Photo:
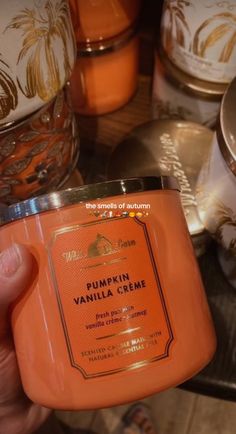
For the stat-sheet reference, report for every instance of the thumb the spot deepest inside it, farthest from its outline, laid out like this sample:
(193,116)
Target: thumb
(15,271)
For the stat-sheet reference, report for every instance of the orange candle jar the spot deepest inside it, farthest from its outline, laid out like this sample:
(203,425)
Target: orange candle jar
(102,19)
(39,153)
(105,75)
(116,303)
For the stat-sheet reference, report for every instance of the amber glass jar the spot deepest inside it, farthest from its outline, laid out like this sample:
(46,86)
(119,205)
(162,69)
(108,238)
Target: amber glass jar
(116,303)
(105,76)
(102,19)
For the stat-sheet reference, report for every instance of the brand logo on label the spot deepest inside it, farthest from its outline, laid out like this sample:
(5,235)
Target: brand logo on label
(101,246)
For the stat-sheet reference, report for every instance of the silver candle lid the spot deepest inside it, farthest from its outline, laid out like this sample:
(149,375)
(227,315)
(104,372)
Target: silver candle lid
(168,147)
(72,196)
(226,132)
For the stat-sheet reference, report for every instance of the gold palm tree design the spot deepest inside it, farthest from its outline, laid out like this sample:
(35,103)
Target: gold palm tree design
(176,27)
(204,39)
(42,30)
(8,91)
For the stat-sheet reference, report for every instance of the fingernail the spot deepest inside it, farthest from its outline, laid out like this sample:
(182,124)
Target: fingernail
(10,261)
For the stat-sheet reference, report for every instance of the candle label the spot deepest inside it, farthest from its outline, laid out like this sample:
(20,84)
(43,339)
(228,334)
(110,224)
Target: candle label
(109,294)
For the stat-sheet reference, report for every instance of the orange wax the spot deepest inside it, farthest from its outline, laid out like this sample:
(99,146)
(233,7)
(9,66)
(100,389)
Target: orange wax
(116,302)
(105,79)
(102,19)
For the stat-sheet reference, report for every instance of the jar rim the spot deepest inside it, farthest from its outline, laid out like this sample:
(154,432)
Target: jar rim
(98,48)
(226,131)
(202,88)
(81,194)
(10,126)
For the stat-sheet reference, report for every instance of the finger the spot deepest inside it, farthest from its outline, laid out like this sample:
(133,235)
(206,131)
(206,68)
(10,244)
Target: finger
(15,271)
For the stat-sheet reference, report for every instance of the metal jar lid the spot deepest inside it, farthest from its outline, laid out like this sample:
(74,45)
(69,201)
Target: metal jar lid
(172,148)
(91,49)
(72,196)
(192,85)
(226,132)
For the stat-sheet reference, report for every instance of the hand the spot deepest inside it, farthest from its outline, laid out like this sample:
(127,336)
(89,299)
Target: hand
(18,415)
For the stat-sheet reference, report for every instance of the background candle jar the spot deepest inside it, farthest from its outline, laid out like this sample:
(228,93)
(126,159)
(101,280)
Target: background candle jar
(39,153)
(199,37)
(177,95)
(172,148)
(37,55)
(216,190)
(117,301)
(227,262)
(102,19)
(105,75)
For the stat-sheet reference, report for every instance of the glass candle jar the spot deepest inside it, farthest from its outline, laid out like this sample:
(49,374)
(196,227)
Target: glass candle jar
(116,302)
(39,153)
(171,148)
(105,75)
(75,180)
(216,190)
(227,262)
(177,95)
(38,52)
(199,37)
(102,19)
